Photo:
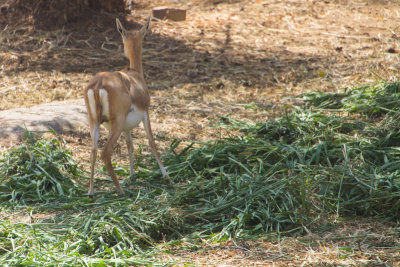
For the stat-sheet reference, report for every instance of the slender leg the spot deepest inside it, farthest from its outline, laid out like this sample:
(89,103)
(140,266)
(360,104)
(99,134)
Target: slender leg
(94,132)
(115,132)
(147,128)
(129,144)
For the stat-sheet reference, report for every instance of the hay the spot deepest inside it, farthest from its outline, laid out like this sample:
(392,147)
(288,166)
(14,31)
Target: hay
(225,53)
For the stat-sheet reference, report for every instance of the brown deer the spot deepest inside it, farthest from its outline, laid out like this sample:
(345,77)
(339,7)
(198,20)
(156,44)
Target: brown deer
(120,101)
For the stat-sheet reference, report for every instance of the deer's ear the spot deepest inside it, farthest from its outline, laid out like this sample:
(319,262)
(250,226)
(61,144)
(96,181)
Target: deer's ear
(145,27)
(120,28)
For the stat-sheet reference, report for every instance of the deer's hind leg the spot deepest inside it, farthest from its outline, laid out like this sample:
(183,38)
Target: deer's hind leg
(94,133)
(116,127)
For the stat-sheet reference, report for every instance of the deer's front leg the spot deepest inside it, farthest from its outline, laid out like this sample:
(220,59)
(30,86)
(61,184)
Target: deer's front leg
(147,128)
(129,144)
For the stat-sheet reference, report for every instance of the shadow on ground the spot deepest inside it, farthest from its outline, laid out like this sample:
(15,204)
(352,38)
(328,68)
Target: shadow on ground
(94,45)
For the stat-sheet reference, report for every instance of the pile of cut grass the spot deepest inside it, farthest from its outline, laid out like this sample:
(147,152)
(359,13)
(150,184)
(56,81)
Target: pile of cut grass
(286,176)
(371,100)
(38,170)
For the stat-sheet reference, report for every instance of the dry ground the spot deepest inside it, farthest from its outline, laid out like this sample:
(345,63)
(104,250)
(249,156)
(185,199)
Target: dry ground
(235,58)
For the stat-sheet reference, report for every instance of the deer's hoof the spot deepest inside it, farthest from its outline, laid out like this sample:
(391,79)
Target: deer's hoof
(121,193)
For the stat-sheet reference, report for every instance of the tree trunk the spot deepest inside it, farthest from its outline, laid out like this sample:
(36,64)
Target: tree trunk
(56,13)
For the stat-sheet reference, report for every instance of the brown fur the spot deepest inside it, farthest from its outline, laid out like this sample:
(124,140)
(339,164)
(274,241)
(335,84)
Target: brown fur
(124,89)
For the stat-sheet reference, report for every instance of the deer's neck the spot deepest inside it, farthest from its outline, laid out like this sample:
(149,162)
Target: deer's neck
(135,60)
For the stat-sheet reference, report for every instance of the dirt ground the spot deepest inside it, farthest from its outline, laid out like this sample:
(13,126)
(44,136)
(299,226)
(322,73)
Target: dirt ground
(239,59)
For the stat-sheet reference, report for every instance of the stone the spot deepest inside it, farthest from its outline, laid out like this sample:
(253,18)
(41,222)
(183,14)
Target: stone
(60,116)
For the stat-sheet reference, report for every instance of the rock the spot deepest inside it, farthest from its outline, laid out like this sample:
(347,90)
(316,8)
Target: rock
(176,14)
(61,116)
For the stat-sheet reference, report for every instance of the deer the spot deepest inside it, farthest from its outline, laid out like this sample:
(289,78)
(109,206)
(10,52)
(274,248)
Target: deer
(120,100)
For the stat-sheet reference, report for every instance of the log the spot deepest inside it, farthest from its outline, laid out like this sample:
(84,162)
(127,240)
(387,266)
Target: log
(175,14)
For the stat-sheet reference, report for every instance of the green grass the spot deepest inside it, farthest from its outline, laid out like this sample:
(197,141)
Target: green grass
(372,100)
(288,176)
(38,171)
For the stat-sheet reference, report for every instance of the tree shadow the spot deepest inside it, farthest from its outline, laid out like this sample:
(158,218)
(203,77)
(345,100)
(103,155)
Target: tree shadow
(95,45)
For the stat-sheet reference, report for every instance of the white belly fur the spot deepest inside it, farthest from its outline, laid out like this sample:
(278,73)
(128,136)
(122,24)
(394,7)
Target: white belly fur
(135,116)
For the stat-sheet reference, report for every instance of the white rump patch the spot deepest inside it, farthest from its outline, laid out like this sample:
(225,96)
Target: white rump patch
(92,104)
(104,103)
(134,117)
